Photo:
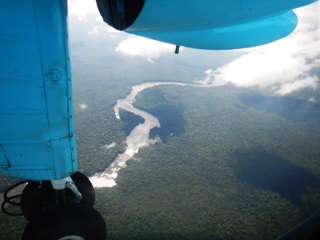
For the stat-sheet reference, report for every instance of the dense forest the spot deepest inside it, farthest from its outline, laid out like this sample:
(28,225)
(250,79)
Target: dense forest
(233,163)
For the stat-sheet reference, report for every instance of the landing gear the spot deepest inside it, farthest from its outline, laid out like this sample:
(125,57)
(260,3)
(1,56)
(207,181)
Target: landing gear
(68,221)
(38,196)
(60,210)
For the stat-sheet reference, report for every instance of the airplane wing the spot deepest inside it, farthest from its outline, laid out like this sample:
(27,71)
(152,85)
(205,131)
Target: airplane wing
(214,25)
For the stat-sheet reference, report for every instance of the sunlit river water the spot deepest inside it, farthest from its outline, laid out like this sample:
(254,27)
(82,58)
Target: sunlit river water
(139,136)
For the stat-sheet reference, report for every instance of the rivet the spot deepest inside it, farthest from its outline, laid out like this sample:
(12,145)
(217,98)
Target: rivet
(54,75)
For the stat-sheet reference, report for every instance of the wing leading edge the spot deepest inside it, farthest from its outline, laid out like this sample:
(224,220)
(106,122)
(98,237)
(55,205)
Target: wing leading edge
(214,25)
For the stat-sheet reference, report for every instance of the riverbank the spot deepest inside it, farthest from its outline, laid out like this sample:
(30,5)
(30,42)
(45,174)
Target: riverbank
(139,136)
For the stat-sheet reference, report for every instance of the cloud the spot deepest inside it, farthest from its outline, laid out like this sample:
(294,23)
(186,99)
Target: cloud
(108,146)
(103,30)
(308,82)
(87,11)
(82,8)
(83,106)
(284,65)
(144,47)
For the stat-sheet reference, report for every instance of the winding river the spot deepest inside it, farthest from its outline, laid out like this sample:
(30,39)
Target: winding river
(139,136)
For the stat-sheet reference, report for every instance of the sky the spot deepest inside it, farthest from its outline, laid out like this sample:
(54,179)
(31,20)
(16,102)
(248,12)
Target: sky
(284,66)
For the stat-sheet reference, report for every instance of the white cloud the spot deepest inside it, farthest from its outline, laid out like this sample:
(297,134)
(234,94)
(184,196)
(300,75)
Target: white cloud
(308,82)
(311,99)
(144,47)
(82,8)
(95,24)
(103,29)
(95,30)
(83,106)
(284,64)
(108,146)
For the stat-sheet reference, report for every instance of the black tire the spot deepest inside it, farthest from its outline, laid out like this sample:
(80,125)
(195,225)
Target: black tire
(38,196)
(68,221)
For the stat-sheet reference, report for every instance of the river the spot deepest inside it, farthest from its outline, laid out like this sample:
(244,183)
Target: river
(139,136)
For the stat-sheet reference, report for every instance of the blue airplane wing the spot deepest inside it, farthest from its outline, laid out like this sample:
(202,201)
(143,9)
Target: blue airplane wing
(242,35)
(215,25)
(37,139)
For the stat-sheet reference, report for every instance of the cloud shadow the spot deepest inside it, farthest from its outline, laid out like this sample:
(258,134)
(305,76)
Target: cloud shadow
(171,121)
(271,172)
(290,108)
(129,121)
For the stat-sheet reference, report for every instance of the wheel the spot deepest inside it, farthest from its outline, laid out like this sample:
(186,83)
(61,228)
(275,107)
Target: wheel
(67,221)
(38,196)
